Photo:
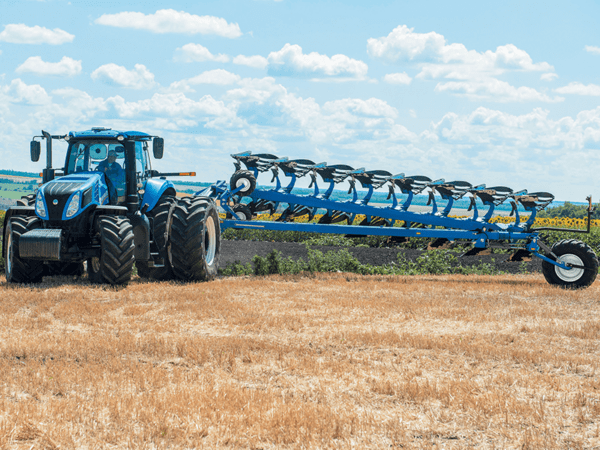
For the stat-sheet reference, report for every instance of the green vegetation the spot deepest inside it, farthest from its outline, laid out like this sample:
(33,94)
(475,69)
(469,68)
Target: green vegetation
(432,262)
(317,239)
(569,210)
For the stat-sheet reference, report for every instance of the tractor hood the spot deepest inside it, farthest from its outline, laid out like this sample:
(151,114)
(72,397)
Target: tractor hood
(67,197)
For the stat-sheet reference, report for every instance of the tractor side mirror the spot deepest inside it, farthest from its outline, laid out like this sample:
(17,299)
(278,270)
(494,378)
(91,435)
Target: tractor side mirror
(35,150)
(158,147)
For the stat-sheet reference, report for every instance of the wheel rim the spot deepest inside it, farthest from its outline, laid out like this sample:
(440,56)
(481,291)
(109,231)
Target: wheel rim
(95,262)
(9,251)
(210,240)
(573,274)
(244,183)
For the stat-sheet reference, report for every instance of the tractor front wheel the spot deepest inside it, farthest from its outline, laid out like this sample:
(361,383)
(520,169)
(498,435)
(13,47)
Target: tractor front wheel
(195,239)
(115,263)
(20,270)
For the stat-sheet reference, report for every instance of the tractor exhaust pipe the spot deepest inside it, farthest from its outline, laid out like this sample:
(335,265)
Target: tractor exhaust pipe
(132,197)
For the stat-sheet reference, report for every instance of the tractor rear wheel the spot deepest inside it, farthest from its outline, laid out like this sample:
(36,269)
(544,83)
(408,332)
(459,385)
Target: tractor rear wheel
(161,217)
(20,270)
(195,239)
(115,263)
(573,252)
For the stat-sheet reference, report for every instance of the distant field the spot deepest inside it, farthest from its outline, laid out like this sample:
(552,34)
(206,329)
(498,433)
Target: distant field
(18,189)
(331,361)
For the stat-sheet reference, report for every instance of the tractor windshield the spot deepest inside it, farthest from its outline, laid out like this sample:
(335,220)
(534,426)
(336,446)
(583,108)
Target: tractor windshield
(88,156)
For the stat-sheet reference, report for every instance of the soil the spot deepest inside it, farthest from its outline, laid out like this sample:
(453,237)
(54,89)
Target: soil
(244,251)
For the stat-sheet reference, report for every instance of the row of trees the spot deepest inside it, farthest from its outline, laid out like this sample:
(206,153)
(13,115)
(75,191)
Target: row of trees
(570,210)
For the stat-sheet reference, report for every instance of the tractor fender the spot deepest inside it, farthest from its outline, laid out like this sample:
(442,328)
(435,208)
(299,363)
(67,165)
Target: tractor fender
(153,191)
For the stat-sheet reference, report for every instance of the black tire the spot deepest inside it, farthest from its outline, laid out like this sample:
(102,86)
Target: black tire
(577,253)
(117,252)
(19,270)
(244,179)
(195,239)
(242,211)
(26,200)
(160,217)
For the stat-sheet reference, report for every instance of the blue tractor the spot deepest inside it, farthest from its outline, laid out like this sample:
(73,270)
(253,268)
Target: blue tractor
(107,209)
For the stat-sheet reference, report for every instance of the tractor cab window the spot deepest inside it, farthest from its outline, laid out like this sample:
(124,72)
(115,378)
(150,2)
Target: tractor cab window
(107,158)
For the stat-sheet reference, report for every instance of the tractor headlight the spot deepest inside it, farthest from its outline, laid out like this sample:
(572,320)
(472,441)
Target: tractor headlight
(40,209)
(73,205)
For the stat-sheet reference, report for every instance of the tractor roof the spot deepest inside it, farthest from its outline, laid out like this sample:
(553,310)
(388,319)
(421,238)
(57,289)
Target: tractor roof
(107,133)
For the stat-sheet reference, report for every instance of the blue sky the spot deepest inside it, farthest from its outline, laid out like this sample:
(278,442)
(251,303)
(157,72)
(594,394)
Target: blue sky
(501,93)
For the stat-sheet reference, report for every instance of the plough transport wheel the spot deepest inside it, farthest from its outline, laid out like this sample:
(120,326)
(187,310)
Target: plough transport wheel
(573,252)
(195,239)
(245,180)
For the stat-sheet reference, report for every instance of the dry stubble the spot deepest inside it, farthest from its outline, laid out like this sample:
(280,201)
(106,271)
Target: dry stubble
(301,362)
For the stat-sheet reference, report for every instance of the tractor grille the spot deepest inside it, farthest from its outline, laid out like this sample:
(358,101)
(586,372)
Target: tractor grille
(59,192)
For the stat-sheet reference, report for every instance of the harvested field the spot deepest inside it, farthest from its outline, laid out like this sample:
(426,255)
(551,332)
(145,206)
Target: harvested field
(331,361)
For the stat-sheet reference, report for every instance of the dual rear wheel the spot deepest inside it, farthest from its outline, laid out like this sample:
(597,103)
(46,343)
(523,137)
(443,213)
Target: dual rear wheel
(188,236)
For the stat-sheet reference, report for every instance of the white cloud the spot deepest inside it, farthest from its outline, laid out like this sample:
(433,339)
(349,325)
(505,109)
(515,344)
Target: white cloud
(197,53)
(592,49)
(579,89)
(170,104)
(66,67)
(19,92)
(23,34)
(171,21)
(494,89)
(139,78)
(217,76)
(256,61)
(397,78)
(290,61)
(403,44)
(475,72)
(372,107)
(550,76)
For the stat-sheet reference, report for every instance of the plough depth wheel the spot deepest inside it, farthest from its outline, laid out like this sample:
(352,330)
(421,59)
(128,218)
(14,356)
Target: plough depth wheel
(242,211)
(573,252)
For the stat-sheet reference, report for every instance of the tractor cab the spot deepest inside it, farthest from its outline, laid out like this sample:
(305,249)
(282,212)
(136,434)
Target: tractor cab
(108,157)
